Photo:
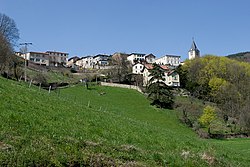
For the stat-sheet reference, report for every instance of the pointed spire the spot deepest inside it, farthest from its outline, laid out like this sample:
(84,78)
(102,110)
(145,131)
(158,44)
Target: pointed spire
(193,46)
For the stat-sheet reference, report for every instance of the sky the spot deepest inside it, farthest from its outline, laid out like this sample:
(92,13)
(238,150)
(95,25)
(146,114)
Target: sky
(91,27)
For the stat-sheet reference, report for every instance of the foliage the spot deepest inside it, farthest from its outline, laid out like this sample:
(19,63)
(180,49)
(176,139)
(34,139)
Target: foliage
(243,56)
(215,85)
(221,80)
(160,95)
(157,74)
(41,79)
(208,116)
(158,92)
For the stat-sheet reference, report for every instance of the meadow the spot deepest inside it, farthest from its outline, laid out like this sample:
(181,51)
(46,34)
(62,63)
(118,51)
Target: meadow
(101,126)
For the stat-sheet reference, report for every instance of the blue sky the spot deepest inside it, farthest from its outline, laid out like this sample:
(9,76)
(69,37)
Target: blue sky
(90,27)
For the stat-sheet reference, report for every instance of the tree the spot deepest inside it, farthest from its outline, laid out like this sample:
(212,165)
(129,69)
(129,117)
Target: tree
(157,74)
(121,68)
(8,37)
(208,117)
(5,52)
(158,92)
(8,29)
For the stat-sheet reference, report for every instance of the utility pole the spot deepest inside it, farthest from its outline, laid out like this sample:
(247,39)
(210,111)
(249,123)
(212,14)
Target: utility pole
(25,58)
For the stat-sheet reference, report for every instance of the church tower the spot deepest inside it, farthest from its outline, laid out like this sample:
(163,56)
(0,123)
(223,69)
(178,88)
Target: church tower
(193,52)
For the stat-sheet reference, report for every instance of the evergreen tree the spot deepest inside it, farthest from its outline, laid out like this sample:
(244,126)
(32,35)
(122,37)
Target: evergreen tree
(159,92)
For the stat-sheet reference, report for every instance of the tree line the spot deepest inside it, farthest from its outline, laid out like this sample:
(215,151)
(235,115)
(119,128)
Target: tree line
(223,81)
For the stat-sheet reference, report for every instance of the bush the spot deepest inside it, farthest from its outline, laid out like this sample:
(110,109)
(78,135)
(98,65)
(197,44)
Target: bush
(41,78)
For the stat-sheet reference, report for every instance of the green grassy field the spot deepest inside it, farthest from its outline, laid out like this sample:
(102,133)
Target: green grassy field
(102,126)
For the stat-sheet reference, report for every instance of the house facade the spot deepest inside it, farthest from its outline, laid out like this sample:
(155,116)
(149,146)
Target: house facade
(150,58)
(57,58)
(71,61)
(136,57)
(171,60)
(171,76)
(101,60)
(48,58)
(137,68)
(85,62)
(39,58)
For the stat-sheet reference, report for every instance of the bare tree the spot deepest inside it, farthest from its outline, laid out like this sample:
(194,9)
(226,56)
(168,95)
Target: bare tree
(8,29)
(8,36)
(5,53)
(121,69)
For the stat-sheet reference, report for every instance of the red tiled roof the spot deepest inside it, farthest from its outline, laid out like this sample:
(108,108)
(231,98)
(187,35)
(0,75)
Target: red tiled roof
(150,66)
(164,67)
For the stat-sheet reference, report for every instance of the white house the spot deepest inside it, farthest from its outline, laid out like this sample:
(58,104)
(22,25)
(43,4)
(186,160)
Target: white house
(39,58)
(171,76)
(57,58)
(193,52)
(101,60)
(171,60)
(71,61)
(85,62)
(150,58)
(136,57)
(137,68)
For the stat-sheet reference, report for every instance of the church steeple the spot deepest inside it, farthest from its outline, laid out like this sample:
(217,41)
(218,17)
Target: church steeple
(193,51)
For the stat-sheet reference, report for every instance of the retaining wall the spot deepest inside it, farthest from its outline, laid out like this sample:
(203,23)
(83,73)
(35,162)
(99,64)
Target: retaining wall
(122,86)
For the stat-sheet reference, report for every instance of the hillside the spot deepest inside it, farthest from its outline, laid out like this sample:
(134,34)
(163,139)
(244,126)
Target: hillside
(102,126)
(243,56)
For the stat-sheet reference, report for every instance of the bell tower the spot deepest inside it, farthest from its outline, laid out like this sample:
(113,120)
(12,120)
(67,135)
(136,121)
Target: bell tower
(193,51)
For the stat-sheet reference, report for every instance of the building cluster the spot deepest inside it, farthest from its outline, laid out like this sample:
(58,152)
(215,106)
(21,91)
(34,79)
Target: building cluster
(49,58)
(141,63)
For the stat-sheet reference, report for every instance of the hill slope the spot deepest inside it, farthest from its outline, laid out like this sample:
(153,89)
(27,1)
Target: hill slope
(81,127)
(243,56)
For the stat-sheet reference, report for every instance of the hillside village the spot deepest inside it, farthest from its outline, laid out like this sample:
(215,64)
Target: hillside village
(139,64)
(55,112)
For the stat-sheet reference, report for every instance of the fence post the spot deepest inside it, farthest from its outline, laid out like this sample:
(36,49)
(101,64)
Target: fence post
(49,88)
(30,83)
(40,84)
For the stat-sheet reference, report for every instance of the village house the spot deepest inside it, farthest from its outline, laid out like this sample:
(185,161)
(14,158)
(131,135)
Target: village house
(39,58)
(137,68)
(57,58)
(171,60)
(171,76)
(136,57)
(101,60)
(71,61)
(150,58)
(85,62)
(49,58)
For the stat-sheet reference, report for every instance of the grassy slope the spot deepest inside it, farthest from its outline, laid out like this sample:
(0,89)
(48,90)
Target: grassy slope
(117,128)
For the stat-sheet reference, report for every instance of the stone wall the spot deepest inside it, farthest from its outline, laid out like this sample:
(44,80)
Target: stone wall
(122,86)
